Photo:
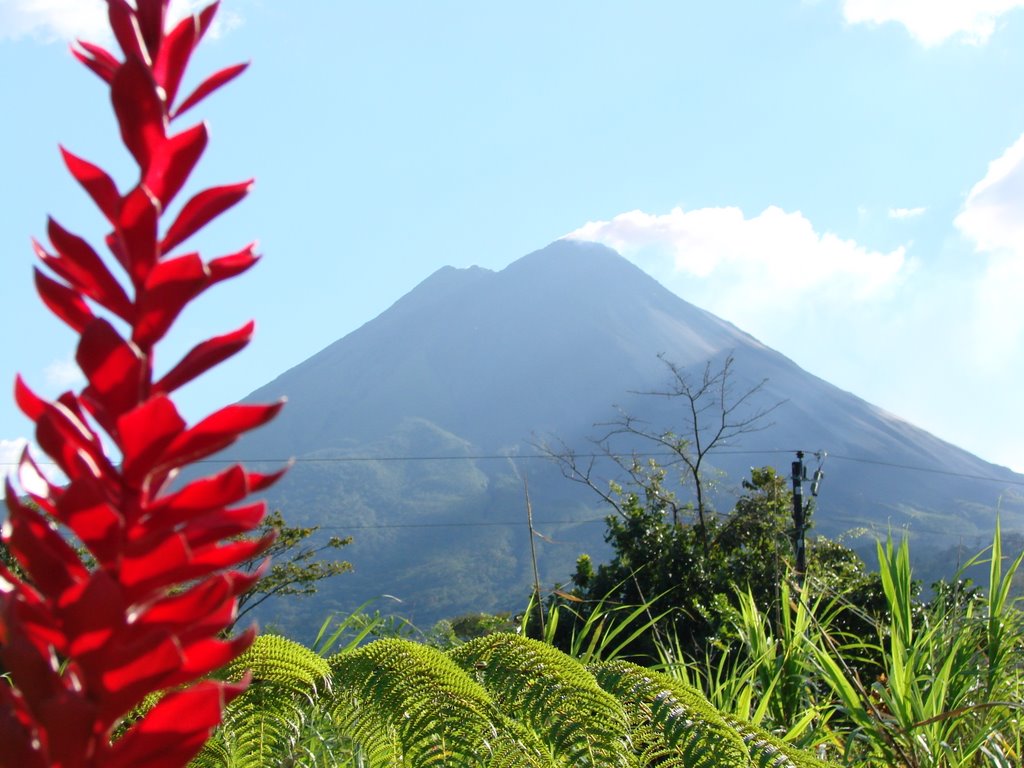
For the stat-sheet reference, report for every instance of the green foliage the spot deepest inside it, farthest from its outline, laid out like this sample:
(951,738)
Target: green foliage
(500,701)
(297,567)
(852,596)
(671,723)
(661,563)
(552,694)
(282,662)
(945,689)
(10,562)
(765,676)
(769,751)
(856,660)
(406,703)
(779,662)
(600,631)
(470,626)
(265,722)
(684,604)
(340,634)
(653,558)
(951,690)
(944,686)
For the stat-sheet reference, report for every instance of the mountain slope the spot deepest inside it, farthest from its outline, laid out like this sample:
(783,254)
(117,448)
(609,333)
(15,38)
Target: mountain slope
(473,365)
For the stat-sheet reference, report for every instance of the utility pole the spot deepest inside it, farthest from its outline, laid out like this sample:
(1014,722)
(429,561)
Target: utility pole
(533,557)
(799,518)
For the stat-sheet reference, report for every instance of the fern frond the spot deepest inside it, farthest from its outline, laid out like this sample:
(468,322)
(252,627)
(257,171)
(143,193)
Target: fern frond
(409,704)
(284,662)
(672,724)
(553,695)
(769,751)
(672,718)
(261,726)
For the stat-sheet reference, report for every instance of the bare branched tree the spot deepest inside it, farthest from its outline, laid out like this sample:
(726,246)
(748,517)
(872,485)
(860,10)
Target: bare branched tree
(581,468)
(714,415)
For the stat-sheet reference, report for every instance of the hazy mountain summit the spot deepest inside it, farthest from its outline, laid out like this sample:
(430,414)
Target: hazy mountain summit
(486,354)
(479,364)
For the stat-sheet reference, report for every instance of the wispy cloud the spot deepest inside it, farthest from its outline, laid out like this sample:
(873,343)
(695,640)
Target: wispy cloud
(878,322)
(991,216)
(991,219)
(905,213)
(804,292)
(62,375)
(749,267)
(68,20)
(52,20)
(932,22)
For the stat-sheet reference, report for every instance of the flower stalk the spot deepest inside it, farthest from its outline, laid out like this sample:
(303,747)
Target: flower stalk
(85,645)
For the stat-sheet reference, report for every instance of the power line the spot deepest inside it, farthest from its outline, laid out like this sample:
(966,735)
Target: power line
(599,455)
(933,470)
(461,524)
(869,530)
(575,455)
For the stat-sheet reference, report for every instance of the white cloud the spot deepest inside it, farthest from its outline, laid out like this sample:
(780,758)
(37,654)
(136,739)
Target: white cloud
(991,216)
(225,22)
(907,335)
(750,267)
(62,375)
(932,22)
(992,219)
(52,20)
(824,301)
(905,213)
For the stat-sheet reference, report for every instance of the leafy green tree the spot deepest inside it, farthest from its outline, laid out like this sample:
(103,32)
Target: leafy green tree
(754,540)
(661,562)
(713,415)
(298,566)
(298,563)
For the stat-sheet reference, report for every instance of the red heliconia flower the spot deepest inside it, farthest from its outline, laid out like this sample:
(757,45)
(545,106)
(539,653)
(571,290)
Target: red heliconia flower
(85,645)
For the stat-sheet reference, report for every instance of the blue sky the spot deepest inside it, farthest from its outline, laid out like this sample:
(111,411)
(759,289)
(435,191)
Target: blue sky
(844,179)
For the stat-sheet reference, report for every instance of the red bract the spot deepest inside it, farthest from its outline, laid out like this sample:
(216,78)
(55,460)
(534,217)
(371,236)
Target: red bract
(84,645)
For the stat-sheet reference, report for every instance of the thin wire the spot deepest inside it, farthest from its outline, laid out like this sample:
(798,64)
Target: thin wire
(587,455)
(486,523)
(933,470)
(871,530)
(598,455)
